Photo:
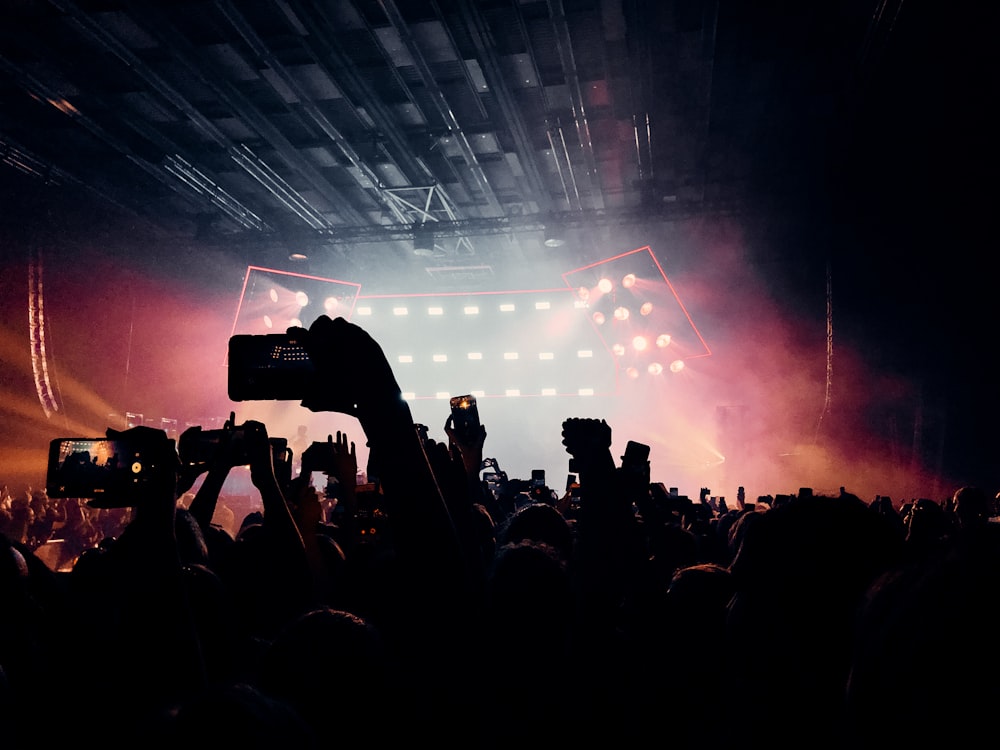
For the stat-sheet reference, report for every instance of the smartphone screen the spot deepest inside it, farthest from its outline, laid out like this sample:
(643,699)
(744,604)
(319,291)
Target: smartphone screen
(465,415)
(270,367)
(91,467)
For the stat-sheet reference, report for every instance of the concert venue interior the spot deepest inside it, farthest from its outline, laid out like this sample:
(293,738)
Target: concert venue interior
(748,235)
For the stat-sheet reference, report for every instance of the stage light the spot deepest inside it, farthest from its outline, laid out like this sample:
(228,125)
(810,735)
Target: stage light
(408,395)
(599,318)
(471,310)
(478,394)
(405,358)
(442,395)
(554,236)
(330,305)
(507,307)
(663,340)
(542,306)
(605,286)
(676,366)
(583,293)
(512,392)
(548,391)
(618,350)
(646,309)
(423,240)
(295,322)
(628,281)
(585,392)
(632,373)
(475,355)
(364,311)
(435,311)
(585,353)
(580,304)
(298,257)
(400,311)
(268,322)
(301,299)
(621,313)
(273,294)
(440,357)
(510,355)
(655,368)
(546,355)
(640,343)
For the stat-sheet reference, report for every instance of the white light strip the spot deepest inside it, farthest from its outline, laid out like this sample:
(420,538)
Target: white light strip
(475,355)
(400,311)
(512,392)
(507,307)
(542,306)
(363,310)
(478,394)
(471,310)
(548,391)
(546,355)
(405,358)
(510,355)
(584,353)
(440,395)
(435,311)
(586,392)
(408,395)
(440,358)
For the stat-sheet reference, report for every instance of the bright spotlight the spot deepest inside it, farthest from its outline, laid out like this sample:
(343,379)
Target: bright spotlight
(599,318)
(301,299)
(295,323)
(646,309)
(400,311)
(676,366)
(440,357)
(640,343)
(605,286)
(663,340)
(471,310)
(621,313)
(330,304)
(510,355)
(583,293)
(405,358)
(268,323)
(628,281)
(618,349)
(655,368)
(435,311)
(364,310)
(507,307)
(632,373)
(273,294)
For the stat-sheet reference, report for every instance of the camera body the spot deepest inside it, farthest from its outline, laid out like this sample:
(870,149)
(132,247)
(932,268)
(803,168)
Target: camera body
(269,367)
(110,473)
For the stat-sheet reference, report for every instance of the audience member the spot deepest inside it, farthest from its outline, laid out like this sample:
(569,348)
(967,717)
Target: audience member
(466,612)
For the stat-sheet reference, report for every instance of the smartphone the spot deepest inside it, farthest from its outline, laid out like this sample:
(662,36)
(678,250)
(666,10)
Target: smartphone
(269,367)
(636,455)
(465,416)
(538,477)
(110,473)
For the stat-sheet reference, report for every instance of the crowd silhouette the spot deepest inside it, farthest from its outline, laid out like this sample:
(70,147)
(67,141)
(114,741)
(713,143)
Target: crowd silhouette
(431,605)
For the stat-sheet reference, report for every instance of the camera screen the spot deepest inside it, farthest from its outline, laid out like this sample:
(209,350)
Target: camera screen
(270,367)
(91,467)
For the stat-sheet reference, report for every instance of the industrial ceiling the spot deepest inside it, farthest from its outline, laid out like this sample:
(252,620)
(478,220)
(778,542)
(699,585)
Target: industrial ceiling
(421,135)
